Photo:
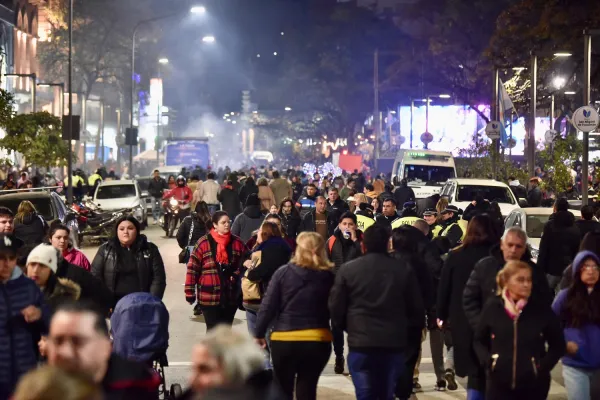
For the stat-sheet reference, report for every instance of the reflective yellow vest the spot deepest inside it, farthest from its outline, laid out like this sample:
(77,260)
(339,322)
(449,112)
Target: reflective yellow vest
(404,221)
(435,232)
(75,179)
(364,222)
(92,179)
(462,224)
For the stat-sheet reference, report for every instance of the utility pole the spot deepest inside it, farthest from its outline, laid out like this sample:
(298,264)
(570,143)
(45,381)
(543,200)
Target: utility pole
(376,115)
(533,113)
(495,111)
(587,68)
(70,77)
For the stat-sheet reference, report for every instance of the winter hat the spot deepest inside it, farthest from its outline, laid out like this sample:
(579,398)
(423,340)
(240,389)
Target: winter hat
(580,259)
(45,255)
(252,200)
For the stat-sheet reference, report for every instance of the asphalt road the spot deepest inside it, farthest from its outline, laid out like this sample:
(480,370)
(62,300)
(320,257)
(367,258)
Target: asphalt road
(186,330)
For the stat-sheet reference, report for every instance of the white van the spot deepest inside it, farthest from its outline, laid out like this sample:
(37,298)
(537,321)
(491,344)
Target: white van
(425,170)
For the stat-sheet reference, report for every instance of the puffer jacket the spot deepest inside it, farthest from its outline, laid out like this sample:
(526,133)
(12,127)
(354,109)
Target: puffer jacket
(291,223)
(32,230)
(559,244)
(92,288)
(151,269)
(60,290)
(296,299)
(183,233)
(247,222)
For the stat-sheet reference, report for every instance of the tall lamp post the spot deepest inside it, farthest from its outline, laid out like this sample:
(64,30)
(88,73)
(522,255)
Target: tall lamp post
(61,86)
(162,61)
(33,78)
(193,10)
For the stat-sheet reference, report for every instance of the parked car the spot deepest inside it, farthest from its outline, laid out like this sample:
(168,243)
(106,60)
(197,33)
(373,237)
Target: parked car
(121,194)
(461,192)
(143,183)
(532,221)
(49,205)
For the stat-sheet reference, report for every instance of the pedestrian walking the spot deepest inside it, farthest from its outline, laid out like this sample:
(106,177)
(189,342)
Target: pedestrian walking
(30,227)
(297,188)
(265,195)
(156,187)
(230,199)
(208,192)
(214,272)
(23,318)
(194,226)
(343,246)
(589,242)
(389,213)
(587,223)
(579,311)
(374,299)
(281,187)
(296,306)
(129,263)
(247,189)
(453,227)
(307,203)
(404,193)
(58,236)
(559,243)
(518,340)
(319,220)
(481,237)
(246,223)
(290,218)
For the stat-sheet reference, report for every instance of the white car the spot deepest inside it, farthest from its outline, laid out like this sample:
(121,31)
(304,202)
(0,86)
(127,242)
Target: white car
(461,192)
(532,220)
(120,194)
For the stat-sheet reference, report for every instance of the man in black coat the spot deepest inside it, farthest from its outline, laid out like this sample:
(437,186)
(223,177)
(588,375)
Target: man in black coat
(156,186)
(559,243)
(230,200)
(389,213)
(482,282)
(403,193)
(534,196)
(343,246)
(385,298)
(587,223)
(319,220)
(335,205)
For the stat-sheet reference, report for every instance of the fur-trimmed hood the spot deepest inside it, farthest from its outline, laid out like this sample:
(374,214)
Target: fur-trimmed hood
(61,289)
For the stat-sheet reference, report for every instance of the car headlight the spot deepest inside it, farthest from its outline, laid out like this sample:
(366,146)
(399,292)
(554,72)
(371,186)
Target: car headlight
(173,202)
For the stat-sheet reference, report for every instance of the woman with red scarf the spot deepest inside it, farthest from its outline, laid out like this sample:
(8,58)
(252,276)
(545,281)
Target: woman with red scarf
(216,268)
(512,335)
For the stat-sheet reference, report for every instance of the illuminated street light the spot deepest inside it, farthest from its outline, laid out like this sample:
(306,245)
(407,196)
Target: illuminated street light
(209,39)
(444,96)
(275,53)
(570,93)
(288,109)
(163,60)
(519,69)
(562,54)
(234,122)
(559,82)
(254,112)
(258,56)
(282,33)
(198,10)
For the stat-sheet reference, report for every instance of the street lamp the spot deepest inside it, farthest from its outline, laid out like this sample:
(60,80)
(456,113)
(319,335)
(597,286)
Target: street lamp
(558,82)
(209,39)
(163,61)
(61,86)
(288,109)
(33,78)
(198,10)
(570,93)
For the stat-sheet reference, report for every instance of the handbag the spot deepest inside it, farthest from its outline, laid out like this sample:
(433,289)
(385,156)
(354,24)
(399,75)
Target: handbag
(251,291)
(186,252)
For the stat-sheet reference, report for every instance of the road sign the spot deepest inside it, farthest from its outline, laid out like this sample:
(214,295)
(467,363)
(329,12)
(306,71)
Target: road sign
(492,130)
(549,136)
(426,138)
(585,119)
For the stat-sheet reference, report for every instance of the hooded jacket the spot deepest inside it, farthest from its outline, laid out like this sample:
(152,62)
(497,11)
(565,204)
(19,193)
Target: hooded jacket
(18,350)
(32,230)
(230,201)
(150,266)
(247,190)
(183,233)
(587,336)
(559,243)
(404,194)
(481,285)
(60,290)
(247,222)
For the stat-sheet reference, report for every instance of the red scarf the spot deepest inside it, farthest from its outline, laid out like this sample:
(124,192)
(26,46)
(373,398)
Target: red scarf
(228,187)
(222,243)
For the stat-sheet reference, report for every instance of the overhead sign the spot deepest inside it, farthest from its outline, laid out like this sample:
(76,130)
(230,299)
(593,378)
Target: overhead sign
(426,138)
(188,153)
(492,130)
(585,119)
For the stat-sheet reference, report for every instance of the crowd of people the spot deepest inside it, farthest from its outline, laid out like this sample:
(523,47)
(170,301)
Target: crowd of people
(315,262)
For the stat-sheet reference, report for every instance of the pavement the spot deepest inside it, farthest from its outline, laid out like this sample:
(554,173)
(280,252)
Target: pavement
(186,330)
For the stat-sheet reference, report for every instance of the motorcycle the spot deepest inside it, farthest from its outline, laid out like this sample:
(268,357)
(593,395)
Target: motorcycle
(96,225)
(174,212)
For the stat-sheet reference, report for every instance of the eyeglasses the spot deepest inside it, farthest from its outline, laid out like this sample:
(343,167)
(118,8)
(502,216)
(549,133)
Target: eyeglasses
(593,267)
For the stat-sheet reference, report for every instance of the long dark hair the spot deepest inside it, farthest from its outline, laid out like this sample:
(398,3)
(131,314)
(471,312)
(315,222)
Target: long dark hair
(405,242)
(591,242)
(294,209)
(203,214)
(481,231)
(130,218)
(581,307)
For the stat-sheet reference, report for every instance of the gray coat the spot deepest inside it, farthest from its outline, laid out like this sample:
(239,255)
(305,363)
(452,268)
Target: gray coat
(247,222)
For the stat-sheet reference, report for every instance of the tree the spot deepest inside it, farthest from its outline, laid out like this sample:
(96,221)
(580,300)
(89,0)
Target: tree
(559,159)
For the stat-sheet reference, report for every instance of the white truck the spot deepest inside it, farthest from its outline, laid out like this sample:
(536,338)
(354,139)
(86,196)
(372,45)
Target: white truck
(425,170)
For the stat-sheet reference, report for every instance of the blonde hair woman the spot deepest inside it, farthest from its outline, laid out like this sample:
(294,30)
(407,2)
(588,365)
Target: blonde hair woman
(522,372)
(441,206)
(30,227)
(50,383)
(296,306)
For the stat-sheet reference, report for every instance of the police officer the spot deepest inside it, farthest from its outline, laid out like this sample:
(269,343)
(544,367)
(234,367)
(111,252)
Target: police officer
(408,215)
(452,227)
(364,216)
(430,216)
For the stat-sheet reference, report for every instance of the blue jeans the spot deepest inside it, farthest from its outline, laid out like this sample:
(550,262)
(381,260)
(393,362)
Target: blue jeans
(213,208)
(251,318)
(375,374)
(578,382)
(156,208)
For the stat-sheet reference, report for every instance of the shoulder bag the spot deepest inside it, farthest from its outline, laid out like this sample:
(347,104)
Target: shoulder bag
(184,255)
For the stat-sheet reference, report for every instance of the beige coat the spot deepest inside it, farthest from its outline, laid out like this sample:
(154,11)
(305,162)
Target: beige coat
(267,198)
(281,189)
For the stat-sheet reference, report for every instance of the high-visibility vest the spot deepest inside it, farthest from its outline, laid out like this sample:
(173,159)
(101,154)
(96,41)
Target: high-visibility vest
(75,179)
(463,225)
(435,232)
(92,179)
(364,222)
(404,221)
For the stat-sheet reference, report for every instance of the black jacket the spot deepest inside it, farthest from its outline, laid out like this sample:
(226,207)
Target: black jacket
(585,226)
(126,380)
(291,224)
(482,286)
(32,230)
(374,299)
(342,250)
(337,208)
(297,190)
(156,187)
(474,210)
(535,326)
(92,288)
(308,222)
(59,291)
(534,197)
(403,194)
(183,233)
(431,256)
(452,231)
(296,299)
(559,244)
(425,282)
(150,266)
(230,200)
(246,191)
(386,221)
(455,274)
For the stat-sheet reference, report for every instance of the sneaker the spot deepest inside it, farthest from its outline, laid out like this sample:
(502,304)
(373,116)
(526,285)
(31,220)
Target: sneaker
(197,310)
(440,385)
(416,385)
(451,379)
(339,365)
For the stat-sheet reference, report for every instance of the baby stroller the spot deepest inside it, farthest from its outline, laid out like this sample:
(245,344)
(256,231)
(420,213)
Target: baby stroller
(140,332)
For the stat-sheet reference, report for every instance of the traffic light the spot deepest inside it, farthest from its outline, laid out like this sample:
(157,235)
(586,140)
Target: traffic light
(131,136)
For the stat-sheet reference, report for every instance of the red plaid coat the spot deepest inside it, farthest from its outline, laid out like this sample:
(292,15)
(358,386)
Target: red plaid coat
(205,273)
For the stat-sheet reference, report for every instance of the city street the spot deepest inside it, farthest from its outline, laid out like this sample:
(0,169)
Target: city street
(186,330)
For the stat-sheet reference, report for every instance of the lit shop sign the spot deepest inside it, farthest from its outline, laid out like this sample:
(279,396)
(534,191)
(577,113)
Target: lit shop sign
(336,144)
(428,156)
